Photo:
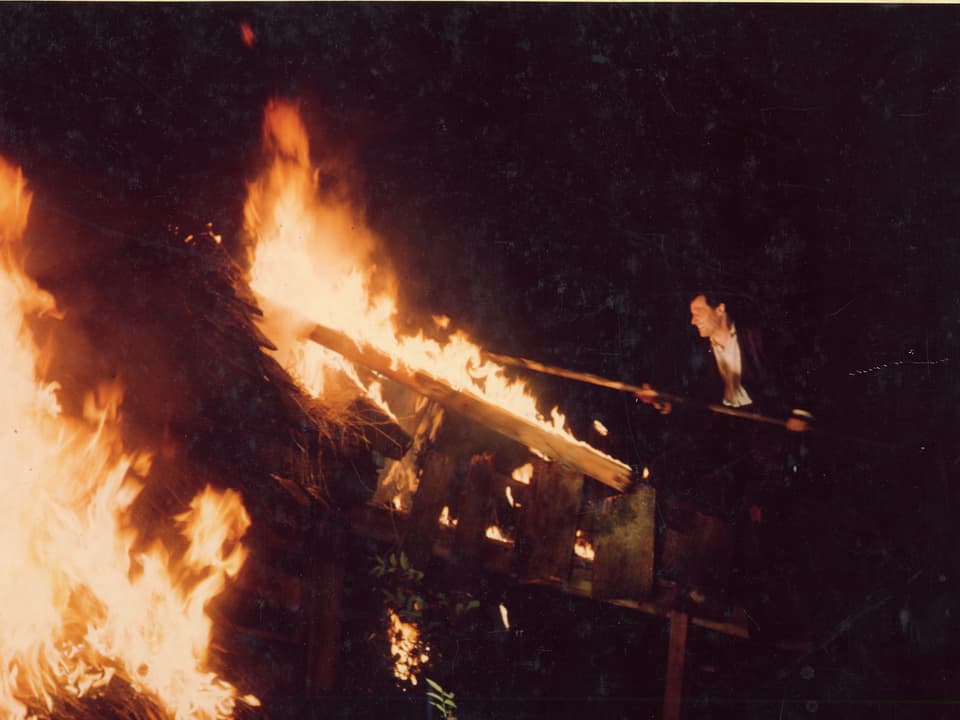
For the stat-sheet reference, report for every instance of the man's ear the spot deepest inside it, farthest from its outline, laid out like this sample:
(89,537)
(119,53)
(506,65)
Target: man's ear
(721,309)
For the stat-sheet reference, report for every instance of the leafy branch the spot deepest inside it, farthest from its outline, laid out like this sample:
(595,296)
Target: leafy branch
(442,700)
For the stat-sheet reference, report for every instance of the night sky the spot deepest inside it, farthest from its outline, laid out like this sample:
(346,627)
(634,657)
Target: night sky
(556,178)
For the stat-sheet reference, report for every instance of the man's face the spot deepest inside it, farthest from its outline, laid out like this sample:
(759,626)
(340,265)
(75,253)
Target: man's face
(706,319)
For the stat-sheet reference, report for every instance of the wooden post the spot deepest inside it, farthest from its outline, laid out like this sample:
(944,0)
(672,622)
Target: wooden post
(623,535)
(325,611)
(432,494)
(676,653)
(548,523)
(474,514)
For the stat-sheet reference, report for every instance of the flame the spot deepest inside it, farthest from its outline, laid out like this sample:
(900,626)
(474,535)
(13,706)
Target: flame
(523,474)
(312,252)
(600,428)
(80,605)
(444,519)
(496,534)
(504,616)
(583,548)
(406,649)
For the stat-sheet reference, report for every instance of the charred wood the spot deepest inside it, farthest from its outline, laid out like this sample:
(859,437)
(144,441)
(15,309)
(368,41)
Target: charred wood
(432,495)
(548,524)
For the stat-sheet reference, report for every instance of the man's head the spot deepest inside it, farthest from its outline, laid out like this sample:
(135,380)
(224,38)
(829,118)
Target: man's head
(709,315)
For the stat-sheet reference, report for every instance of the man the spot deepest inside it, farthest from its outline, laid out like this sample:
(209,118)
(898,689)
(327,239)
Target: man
(736,467)
(739,364)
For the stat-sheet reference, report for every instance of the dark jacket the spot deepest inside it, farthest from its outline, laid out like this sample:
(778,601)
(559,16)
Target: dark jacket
(761,375)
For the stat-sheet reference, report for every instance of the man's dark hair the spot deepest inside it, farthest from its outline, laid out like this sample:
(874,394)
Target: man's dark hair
(738,306)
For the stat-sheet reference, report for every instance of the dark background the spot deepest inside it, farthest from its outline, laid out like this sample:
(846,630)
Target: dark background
(556,178)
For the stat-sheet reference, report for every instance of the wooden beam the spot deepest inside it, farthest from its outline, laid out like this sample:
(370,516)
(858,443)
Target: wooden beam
(433,493)
(580,455)
(548,523)
(474,514)
(676,654)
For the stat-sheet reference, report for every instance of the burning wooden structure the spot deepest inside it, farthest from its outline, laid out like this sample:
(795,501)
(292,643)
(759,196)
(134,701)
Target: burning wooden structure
(468,473)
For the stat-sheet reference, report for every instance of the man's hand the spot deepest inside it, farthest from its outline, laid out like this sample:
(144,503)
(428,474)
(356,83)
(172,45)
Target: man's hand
(799,421)
(649,396)
(797,425)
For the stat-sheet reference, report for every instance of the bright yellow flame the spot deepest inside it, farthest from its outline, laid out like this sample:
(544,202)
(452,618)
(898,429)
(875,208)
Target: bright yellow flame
(496,534)
(314,254)
(78,605)
(444,518)
(504,616)
(523,474)
(583,548)
(600,428)
(408,653)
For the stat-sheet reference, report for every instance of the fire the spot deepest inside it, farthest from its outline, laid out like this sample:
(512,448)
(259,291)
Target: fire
(445,520)
(523,474)
(583,548)
(496,534)
(406,649)
(82,603)
(313,253)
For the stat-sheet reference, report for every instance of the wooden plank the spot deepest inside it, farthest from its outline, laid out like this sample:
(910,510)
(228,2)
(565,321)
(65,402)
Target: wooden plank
(474,514)
(580,455)
(676,654)
(548,523)
(432,494)
(623,536)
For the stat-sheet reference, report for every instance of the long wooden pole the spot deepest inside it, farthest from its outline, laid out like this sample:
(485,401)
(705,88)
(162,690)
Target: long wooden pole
(653,395)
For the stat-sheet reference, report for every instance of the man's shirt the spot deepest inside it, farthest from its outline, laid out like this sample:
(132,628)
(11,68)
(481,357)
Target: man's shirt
(730,366)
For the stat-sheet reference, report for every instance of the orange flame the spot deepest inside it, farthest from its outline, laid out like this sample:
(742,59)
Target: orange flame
(523,474)
(408,653)
(84,607)
(583,548)
(313,253)
(494,533)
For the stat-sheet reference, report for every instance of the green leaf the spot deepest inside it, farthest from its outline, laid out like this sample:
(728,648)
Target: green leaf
(404,562)
(434,685)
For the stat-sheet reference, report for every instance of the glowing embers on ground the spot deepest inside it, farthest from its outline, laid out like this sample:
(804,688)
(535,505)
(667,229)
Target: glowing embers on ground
(312,253)
(83,603)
